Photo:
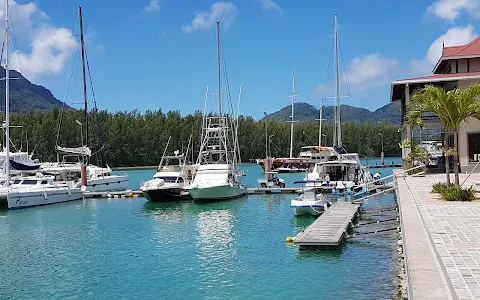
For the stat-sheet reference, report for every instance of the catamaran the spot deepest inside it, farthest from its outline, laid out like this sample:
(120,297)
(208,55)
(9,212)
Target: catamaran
(27,191)
(218,176)
(98,178)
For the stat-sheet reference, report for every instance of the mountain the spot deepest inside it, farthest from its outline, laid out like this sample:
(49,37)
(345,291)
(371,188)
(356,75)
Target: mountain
(25,95)
(304,111)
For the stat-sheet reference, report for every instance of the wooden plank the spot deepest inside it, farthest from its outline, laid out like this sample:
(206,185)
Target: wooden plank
(330,228)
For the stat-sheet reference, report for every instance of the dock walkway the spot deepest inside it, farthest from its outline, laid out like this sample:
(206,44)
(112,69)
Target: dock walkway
(441,240)
(330,228)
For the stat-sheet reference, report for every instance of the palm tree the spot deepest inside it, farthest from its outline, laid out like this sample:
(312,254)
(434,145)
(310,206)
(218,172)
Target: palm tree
(453,108)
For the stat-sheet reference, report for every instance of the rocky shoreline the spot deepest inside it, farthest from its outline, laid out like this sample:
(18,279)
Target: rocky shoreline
(401,273)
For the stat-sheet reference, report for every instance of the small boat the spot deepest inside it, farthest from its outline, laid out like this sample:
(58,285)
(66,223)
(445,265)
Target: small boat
(309,202)
(172,175)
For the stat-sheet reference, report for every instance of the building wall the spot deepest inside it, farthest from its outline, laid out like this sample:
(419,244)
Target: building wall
(471,126)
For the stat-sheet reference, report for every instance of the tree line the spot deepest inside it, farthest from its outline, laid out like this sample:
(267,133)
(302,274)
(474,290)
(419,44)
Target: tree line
(138,139)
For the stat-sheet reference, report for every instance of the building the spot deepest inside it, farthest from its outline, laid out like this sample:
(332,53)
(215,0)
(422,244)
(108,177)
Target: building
(458,67)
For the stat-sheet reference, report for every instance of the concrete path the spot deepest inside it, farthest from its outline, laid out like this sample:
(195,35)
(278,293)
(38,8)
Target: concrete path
(442,240)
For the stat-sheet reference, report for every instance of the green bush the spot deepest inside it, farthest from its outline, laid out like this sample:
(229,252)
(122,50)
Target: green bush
(439,187)
(456,193)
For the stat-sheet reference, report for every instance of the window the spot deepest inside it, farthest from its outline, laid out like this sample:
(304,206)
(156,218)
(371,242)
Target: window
(29,182)
(473,147)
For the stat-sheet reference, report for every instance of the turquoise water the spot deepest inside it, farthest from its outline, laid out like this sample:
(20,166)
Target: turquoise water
(134,249)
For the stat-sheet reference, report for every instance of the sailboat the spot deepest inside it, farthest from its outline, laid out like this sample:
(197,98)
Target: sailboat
(27,191)
(217,176)
(98,178)
(340,173)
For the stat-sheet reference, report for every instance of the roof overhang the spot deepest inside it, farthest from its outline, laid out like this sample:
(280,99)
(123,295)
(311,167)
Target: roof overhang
(447,58)
(398,87)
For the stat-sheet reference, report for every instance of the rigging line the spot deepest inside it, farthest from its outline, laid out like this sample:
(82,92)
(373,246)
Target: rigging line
(67,90)
(15,42)
(74,59)
(328,73)
(3,45)
(99,127)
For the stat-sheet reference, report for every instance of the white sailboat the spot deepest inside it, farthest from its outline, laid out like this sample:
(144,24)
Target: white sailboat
(98,178)
(28,191)
(340,172)
(217,176)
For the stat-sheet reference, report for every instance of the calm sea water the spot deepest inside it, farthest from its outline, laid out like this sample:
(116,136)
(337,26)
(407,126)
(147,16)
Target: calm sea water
(134,249)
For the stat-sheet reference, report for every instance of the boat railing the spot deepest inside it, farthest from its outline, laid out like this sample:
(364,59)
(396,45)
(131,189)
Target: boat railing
(402,172)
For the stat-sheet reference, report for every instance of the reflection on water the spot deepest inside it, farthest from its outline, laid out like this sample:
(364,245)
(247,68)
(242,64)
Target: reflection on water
(218,252)
(169,212)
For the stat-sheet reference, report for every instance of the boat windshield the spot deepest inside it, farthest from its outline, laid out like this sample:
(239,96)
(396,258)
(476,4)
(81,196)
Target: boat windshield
(170,179)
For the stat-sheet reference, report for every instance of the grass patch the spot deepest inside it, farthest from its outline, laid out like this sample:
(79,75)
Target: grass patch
(439,187)
(456,193)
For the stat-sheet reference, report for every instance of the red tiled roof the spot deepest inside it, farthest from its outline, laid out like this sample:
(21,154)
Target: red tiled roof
(472,48)
(439,77)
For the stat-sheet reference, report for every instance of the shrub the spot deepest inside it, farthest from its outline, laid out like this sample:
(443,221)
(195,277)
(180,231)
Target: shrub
(456,193)
(439,187)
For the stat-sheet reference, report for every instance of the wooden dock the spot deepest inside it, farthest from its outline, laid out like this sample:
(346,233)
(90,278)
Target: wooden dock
(274,190)
(329,230)
(120,194)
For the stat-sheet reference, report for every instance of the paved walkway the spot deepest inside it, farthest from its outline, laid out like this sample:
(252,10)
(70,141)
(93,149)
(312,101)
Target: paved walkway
(442,240)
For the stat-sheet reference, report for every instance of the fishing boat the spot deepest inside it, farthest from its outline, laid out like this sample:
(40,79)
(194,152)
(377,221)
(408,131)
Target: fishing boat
(27,191)
(173,174)
(218,176)
(99,178)
(309,202)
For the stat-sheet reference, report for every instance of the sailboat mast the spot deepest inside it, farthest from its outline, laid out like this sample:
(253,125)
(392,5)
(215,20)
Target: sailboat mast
(7,100)
(337,89)
(291,124)
(82,40)
(219,63)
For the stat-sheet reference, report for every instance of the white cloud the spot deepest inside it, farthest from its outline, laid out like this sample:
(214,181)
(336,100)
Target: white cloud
(153,6)
(453,37)
(270,5)
(224,11)
(368,71)
(450,9)
(50,46)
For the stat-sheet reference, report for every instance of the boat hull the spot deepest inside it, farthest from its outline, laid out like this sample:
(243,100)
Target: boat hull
(23,199)
(307,207)
(165,195)
(111,183)
(221,192)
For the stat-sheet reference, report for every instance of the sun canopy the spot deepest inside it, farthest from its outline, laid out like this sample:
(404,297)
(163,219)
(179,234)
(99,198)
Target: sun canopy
(79,150)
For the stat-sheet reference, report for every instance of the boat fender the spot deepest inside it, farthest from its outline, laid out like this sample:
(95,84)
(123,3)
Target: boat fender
(290,239)
(130,195)
(109,195)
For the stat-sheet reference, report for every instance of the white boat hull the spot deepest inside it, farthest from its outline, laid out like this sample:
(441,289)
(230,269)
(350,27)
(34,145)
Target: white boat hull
(304,207)
(23,199)
(111,183)
(219,192)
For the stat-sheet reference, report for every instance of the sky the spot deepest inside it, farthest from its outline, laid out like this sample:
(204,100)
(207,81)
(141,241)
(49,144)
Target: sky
(152,54)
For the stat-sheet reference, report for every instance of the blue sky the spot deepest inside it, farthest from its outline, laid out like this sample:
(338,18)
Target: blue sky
(149,54)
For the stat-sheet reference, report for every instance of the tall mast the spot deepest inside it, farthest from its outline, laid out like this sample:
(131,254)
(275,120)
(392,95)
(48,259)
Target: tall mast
(7,100)
(291,124)
(219,63)
(82,40)
(337,89)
